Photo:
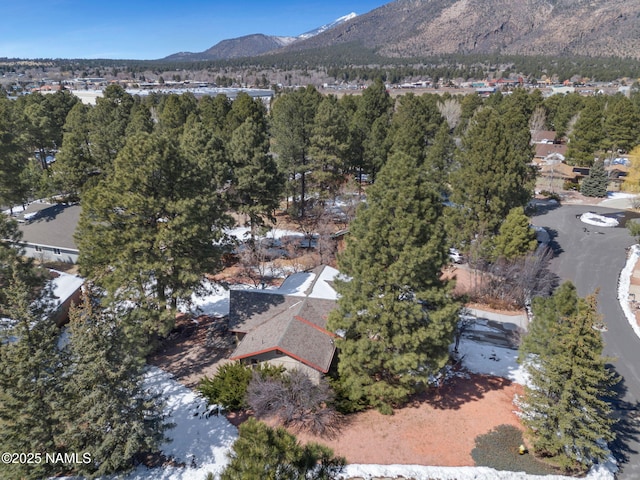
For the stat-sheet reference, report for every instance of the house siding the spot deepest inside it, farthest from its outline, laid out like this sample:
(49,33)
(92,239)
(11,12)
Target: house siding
(49,253)
(279,359)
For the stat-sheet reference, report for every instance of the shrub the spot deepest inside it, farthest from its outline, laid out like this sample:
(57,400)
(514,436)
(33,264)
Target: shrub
(228,388)
(261,452)
(499,449)
(296,401)
(551,195)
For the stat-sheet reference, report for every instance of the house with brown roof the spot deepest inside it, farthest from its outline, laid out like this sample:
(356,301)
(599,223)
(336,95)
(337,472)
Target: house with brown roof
(550,152)
(287,326)
(543,136)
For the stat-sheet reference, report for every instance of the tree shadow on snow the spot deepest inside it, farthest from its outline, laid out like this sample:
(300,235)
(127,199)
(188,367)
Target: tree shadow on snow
(627,427)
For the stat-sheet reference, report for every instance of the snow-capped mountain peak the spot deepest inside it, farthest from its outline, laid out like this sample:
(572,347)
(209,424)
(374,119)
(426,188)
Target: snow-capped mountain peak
(326,27)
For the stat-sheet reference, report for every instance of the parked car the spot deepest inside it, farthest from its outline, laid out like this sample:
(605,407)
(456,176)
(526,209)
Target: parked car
(455,256)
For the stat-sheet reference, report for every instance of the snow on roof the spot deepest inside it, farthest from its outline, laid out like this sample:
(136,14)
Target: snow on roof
(296,284)
(322,288)
(65,285)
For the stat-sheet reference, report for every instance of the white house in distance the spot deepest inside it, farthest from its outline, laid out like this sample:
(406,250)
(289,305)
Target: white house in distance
(47,231)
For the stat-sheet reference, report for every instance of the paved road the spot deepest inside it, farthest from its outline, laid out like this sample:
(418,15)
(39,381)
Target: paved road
(592,258)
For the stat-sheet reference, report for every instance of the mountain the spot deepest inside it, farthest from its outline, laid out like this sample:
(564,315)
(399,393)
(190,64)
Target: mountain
(421,28)
(326,27)
(253,45)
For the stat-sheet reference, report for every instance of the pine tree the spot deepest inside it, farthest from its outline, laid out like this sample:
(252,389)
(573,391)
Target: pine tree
(329,145)
(213,112)
(516,237)
(562,108)
(108,414)
(587,134)
(265,453)
(490,180)
(595,185)
(31,364)
(395,315)
(292,117)
(440,158)
(108,125)
(74,163)
(366,153)
(140,120)
(13,157)
(565,408)
(414,125)
(152,230)
(257,184)
(621,120)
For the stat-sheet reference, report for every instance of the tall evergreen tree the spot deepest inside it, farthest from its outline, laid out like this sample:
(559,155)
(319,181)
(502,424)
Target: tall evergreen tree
(74,163)
(213,112)
(587,134)
(148,233)
(30,363)
(440,158)
(140,119)
(13,157)
(490,180)
(292,117)
(595,185)
(565,408)
(414,125)
(257,184)
(395,315)
(561,109)
(329,144)
(243,108)
(174,111)
(108,125)
(374,107)
(621,125)
(39,130)
(108,414)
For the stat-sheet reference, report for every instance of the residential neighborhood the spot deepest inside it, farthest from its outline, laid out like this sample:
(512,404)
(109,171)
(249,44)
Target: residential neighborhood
(403,244)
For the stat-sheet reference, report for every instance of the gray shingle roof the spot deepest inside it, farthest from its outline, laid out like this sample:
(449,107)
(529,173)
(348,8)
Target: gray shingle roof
(295,325)
(54,225)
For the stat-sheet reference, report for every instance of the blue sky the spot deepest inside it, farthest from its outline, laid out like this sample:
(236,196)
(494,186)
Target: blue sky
(151,29)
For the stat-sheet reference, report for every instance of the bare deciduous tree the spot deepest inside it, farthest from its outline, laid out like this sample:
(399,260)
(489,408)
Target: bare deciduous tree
(538,120)
(515,282)
(296,401)
(253,263)
(451,110)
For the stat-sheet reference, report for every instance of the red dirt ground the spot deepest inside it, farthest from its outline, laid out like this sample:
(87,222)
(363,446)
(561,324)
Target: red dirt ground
(438,428)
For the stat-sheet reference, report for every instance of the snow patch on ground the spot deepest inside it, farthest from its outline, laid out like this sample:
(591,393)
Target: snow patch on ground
(418,472)
(491,360)
(598,220)
(201,443)
(623,288)
(614,195)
